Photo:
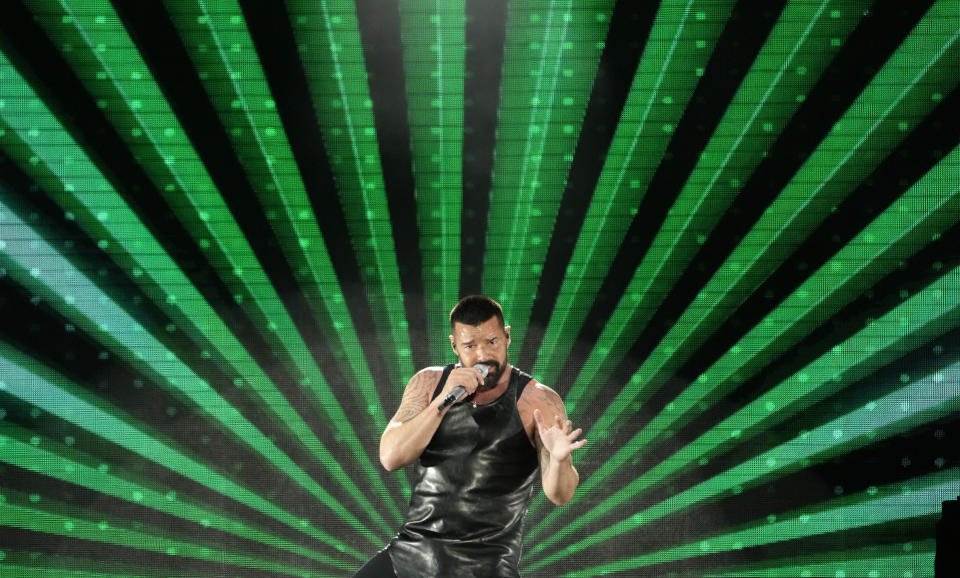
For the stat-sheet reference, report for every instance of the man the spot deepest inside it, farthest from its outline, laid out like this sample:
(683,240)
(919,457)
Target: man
(477,459)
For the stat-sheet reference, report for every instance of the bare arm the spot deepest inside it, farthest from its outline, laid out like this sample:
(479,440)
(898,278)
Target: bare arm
(555,440)
(418,418)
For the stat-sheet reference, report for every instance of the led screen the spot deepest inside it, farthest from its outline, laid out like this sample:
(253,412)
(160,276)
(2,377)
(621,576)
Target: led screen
(725,232)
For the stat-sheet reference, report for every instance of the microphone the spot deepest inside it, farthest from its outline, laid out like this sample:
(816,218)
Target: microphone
(458,393)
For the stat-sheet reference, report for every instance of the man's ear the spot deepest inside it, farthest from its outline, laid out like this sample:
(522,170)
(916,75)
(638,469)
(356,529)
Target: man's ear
(453,344)
(506,330)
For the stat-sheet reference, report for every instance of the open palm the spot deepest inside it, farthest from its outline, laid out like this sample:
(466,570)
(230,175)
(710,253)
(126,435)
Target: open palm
(558,438)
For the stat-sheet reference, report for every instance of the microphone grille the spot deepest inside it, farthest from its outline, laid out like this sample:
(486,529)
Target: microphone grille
(484,368)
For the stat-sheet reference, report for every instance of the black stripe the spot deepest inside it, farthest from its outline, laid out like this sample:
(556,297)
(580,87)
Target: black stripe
(379,23)
(749,25)
(629,29)
(485,37)
(865,51)
(159,43)
(27,44)
(277,49)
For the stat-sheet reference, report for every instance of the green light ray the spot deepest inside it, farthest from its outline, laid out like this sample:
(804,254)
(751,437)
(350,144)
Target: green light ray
(135,105)
(248,109)
(760,110)
(925,211)
(914,498)
(874,125)
(548,75)
(333,62)
(28,380)
(81,189)
(922,317)
(793,63)
(434,51)
(903,559)
(22,448)
(220,46)
(104,213)
(930,398)
(111,532)
(678,49)
(33,263)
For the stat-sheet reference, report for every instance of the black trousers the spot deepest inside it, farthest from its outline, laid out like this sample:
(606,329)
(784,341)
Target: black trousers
(380,566)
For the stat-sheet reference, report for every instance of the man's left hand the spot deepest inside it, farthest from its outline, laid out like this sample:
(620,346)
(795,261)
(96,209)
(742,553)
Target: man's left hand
(559,439)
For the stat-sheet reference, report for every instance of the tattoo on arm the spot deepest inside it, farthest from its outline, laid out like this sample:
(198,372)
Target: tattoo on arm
(556,404)
(416,397)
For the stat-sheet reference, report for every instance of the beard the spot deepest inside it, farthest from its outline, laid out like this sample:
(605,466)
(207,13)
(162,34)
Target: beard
(493,376)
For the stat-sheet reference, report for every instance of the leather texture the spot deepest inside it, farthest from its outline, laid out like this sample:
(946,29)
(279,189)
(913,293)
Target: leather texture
(473,485)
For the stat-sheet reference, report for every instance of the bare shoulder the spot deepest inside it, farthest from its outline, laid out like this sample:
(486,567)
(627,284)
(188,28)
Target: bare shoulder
(539,396)
(418,393)
(426,376)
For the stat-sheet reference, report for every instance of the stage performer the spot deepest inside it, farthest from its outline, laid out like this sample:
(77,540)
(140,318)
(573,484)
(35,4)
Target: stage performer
(476,457)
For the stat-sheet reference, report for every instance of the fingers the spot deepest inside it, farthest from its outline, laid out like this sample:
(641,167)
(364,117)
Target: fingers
(566,426)
(470,378)
(475,376)
(538,418)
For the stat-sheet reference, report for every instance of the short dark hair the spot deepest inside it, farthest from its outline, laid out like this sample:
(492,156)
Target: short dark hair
(474,310)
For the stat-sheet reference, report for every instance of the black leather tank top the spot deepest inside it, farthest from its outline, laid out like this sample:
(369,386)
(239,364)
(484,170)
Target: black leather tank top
(473,485)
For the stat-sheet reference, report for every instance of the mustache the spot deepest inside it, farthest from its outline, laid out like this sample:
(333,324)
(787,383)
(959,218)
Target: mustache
(493,368)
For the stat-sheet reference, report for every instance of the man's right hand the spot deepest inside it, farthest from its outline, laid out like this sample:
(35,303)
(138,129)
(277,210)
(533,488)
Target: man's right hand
(469,378)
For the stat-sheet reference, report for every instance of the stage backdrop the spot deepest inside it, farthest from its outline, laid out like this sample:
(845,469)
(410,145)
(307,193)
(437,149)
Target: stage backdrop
(726,232)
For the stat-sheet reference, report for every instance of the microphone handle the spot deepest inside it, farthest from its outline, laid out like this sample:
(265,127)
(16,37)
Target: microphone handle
(452,397)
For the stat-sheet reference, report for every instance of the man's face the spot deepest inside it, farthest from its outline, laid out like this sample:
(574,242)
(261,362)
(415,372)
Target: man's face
(485,343)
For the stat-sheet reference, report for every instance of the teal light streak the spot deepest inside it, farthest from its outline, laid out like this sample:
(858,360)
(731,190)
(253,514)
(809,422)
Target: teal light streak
(764,93)
(681,42)
(249,110)
(335,68)
(82,190)
(135,105)
(23,449)
(858,143)
(921,214)
(914,498)
(36,519)
(935,396)
(28,380)
(928,209)
(33,263)
(543,100)
(434,50)
(933,311)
